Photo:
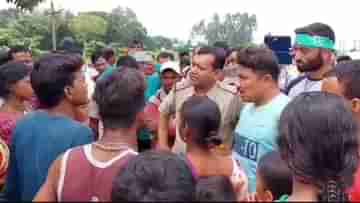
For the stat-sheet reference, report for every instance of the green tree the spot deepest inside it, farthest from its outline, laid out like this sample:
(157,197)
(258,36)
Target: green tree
(25,4)
(182,46)
(8,37)
(102,14)
(88,27)
(63,29)
(8,15)
(235,29)
(89,30)
(158,42)
(123,26)
(92,30)
(27,30)
(35,25)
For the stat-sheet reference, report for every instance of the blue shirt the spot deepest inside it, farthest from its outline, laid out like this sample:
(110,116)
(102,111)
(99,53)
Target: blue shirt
(255,134)
(37,140)
(153,85)
(158,67)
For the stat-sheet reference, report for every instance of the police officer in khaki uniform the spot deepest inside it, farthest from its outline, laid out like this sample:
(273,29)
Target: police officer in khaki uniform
(202,82)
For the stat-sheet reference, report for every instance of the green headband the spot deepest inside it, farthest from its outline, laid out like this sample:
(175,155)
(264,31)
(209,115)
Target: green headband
(314,41)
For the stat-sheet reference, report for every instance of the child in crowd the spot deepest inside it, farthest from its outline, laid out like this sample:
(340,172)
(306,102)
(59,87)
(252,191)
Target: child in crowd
(346,83)
(273,178)
(215,189)
(16,91)
(199,130)
(319,142)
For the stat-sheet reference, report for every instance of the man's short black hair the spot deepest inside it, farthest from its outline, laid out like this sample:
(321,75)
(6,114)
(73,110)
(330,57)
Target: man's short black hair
(120,97)
(154,176)
(11,73)
(107,53)
(69,46)
(218,53)
(127,61)
(317,29)
(95,56)
(184,53)
(136,43)
(215,189)
(4,56)
(348,73)
(261,60)
(166,55)
(343,58)
(185,62)
(51,74)
(275,174)
(17,49)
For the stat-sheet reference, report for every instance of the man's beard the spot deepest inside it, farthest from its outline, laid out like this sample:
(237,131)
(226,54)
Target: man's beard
(312,65)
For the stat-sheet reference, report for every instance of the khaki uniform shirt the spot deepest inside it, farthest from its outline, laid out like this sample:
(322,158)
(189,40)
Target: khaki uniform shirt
(224,95)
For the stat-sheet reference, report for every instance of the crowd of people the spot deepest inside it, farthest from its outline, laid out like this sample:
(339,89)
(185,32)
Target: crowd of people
(214,124)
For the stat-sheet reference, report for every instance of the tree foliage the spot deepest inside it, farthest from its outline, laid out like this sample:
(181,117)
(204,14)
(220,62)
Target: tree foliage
(123,26)
(236,29)
(90,30)
(25,4)
(88,27)
(93,29)
(158,42)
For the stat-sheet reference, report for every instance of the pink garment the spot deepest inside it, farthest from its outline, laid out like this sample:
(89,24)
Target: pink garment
(7,125)
(238,177)
(354,191)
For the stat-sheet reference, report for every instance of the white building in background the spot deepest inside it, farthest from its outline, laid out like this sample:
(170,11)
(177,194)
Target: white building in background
(349,47)
(354,54)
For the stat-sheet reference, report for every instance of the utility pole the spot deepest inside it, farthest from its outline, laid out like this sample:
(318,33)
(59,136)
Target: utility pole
(53,13)
(53,25)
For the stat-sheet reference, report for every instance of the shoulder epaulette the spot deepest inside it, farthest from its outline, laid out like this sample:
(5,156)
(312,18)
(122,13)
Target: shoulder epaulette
(228,88)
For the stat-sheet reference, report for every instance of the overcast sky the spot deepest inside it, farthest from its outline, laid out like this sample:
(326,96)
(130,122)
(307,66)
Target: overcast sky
(174,18)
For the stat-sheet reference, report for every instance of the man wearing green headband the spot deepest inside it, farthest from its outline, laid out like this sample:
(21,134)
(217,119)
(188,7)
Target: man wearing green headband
(314,55)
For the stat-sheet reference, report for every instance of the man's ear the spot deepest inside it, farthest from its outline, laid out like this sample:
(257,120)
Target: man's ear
(68,93)
(219,75)
(328,56)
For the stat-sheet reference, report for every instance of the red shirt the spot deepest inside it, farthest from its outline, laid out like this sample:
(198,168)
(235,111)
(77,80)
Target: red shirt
(354,192)
(83,178)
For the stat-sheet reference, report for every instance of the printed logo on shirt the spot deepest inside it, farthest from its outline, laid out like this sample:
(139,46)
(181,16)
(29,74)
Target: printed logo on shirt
(246,147)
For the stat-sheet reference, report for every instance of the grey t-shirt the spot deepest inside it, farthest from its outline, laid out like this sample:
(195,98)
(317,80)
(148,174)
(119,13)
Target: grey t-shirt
(305,85)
